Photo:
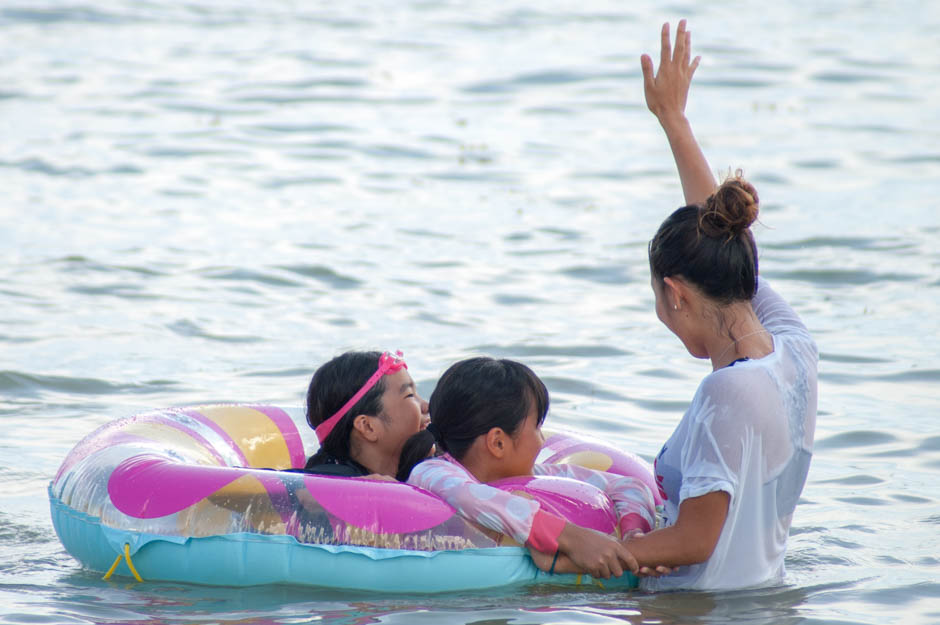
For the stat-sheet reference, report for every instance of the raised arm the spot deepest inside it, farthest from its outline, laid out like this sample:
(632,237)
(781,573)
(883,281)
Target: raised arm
(666,93)
(775,313)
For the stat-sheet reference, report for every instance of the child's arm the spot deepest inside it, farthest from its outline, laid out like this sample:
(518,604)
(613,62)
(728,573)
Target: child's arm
(517,517)
(633,501)
(523,519)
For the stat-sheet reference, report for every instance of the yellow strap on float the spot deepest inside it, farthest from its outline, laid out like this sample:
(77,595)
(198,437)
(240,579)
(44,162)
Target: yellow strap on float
(578,581)
(127,556)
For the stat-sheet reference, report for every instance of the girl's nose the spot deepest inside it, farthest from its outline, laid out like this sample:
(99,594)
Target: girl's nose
(424,407)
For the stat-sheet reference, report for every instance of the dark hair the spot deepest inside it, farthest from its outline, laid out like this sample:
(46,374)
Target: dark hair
(331,386)
(711,245)
(471,398)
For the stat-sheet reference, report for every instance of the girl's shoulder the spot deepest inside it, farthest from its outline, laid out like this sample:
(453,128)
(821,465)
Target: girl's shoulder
(438,466)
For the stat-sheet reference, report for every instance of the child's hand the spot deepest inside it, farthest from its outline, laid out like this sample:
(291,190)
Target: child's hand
(594,553)
(668,89)
(544,562)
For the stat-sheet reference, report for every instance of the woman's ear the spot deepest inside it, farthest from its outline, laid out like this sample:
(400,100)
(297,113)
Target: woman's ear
(364,425)
(497,442)
(674,293)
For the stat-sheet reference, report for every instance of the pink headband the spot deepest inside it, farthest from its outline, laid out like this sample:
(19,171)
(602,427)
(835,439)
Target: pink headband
(388,364)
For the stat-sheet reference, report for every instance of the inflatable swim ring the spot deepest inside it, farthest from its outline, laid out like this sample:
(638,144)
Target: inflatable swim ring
(188,495)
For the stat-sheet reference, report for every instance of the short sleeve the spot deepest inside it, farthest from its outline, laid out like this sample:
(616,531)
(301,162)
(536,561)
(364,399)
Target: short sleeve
(711,455)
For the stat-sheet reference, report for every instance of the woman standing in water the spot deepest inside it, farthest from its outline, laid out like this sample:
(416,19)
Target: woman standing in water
(734,467)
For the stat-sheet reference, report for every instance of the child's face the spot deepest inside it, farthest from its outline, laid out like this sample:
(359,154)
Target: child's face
(407,412)
(526,444)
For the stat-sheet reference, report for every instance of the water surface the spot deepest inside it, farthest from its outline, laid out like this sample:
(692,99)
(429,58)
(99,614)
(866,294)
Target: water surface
(205,200)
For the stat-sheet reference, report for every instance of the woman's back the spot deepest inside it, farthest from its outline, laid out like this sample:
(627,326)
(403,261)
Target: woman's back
(748,432)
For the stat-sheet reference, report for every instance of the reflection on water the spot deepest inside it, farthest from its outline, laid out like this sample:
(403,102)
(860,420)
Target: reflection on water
(205,200)
(85,598)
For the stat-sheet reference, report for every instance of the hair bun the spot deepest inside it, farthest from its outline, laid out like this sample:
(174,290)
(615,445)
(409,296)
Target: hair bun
(730,210)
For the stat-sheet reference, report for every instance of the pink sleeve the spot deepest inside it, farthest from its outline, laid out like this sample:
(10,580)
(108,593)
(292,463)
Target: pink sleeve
(632,499)
(518,517)
(546,528)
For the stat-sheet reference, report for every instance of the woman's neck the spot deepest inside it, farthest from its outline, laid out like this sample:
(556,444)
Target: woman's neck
(742,337)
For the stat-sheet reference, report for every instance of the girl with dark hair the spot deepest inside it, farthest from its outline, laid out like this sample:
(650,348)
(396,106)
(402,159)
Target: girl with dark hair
(363,406)
(734,468)
(486,418)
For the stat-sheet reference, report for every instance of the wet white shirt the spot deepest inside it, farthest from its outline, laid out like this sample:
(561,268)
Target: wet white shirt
(748,432)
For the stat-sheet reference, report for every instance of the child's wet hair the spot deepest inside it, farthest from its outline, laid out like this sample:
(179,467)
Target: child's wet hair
(330,388)
(472,397)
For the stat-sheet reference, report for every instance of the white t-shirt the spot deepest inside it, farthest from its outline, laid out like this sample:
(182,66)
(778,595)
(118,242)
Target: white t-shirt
(749,433)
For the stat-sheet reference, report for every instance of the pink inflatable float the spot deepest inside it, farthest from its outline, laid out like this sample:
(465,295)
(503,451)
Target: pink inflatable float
(199,495)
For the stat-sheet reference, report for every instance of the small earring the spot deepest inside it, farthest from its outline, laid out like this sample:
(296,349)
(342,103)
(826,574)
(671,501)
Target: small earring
(675,306)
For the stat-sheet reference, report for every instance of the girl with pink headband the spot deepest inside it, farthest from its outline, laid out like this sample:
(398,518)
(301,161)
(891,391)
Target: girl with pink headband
(363,406)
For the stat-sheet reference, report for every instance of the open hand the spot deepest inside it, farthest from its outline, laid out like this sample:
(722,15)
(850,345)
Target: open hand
(668,89)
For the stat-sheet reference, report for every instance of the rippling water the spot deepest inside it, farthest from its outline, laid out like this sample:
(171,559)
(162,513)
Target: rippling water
(205,200)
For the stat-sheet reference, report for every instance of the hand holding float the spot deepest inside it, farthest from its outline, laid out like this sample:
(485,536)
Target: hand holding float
(592,552)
